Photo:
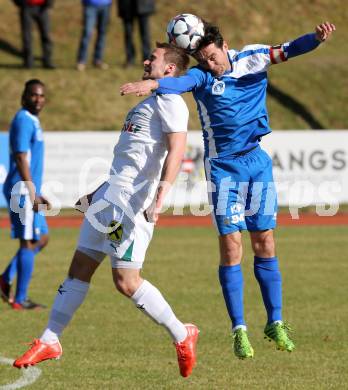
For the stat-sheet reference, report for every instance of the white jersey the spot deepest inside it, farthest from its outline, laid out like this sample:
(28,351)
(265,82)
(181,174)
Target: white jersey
(142,147)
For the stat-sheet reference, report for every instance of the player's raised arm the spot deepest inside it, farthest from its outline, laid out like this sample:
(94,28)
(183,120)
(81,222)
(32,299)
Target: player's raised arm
(301,45)
(175,85)
(139,88)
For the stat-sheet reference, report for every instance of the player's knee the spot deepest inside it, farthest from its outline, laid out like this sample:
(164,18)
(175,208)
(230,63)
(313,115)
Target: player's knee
(230,249)
(44,241)
(82,267)
(125,286)
(264,246)
(126,281)
(231,256)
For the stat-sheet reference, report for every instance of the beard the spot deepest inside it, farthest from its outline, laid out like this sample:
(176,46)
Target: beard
(147,74)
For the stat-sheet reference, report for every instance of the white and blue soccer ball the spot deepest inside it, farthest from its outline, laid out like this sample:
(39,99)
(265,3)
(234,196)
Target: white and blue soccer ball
(185,31)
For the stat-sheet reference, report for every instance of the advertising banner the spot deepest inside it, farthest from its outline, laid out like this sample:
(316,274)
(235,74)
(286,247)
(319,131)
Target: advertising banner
(310,168)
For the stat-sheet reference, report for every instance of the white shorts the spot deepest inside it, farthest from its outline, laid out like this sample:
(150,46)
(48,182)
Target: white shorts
(115,225)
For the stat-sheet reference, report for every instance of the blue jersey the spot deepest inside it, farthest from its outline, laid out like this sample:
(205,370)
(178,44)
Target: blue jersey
(232,107)
(25,136)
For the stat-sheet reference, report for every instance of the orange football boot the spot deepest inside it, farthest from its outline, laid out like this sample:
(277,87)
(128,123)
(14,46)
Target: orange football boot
(39,352)
(186,350)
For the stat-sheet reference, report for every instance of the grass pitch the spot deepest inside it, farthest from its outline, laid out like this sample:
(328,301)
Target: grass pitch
(111,345)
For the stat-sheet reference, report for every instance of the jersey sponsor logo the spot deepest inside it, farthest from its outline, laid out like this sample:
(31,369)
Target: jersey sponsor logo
(113,246)
(115,231)
(129,126)
(234,219)
(218,87)
(237,216)
(236,208)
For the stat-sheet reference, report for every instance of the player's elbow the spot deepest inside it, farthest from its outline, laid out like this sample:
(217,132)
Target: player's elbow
(20,158)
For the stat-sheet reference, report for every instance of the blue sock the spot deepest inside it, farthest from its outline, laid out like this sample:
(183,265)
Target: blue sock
(231,280)
(11,270)
(268,275)
(25,266)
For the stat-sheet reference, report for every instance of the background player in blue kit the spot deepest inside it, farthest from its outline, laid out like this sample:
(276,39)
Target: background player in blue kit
(22,190)
(229,87)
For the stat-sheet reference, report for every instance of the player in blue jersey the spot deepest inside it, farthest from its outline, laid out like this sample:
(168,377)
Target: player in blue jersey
(229,87)
(22,190)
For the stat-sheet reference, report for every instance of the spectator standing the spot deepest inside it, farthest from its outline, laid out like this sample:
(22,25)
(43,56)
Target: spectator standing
(128,10)
(95,15)
(38,11)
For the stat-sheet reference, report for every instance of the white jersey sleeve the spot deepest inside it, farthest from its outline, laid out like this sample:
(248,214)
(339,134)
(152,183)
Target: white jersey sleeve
(173,113)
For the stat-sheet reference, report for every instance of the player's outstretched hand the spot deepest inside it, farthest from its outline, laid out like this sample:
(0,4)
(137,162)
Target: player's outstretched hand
(139,88)
(41,204)
(324,30)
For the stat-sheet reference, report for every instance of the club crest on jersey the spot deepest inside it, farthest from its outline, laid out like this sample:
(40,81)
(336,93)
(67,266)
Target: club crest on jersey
(218,88)
(115,231)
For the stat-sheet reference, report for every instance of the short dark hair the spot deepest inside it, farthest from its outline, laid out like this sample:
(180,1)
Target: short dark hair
(176,55)
(32,82)
(29,84)
(211,35)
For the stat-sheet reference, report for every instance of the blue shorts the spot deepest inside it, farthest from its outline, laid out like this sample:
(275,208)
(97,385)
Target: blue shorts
(26,224)
(242,192)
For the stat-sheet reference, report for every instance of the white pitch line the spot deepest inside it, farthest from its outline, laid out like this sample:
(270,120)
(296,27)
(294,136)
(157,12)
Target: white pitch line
(29,376)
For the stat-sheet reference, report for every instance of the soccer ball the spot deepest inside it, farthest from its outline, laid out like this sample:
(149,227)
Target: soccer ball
(185,31)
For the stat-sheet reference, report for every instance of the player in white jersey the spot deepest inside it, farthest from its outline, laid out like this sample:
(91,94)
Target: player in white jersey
(120,220)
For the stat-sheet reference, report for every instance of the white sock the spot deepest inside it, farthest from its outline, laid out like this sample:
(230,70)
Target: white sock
(69,297)
(149,299)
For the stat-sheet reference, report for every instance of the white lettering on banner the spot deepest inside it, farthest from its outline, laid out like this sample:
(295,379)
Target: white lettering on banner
(310,167)
(303,161)
(317,160)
